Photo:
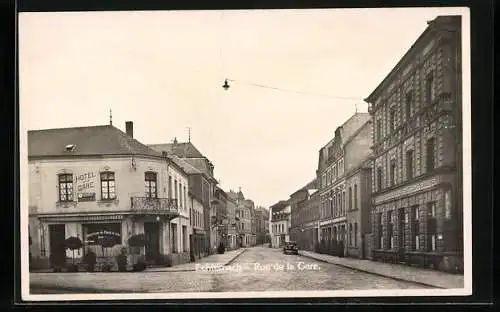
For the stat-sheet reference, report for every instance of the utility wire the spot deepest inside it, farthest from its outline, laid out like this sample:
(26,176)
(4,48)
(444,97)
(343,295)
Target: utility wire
(299,92)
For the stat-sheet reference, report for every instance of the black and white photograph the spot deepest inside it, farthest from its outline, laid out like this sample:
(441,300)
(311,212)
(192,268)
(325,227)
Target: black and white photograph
(293,153)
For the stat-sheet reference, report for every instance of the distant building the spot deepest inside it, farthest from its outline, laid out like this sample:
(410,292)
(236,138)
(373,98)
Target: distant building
(280,223)
(243,216)
(232,223)
(349,148)
(261,219)
(221,217)
(95,182)
(417,216)
(305,216)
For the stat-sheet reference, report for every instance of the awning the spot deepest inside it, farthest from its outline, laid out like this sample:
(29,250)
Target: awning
(82,218)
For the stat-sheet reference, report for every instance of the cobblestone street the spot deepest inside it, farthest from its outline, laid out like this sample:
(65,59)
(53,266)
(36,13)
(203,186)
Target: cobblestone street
(257,269)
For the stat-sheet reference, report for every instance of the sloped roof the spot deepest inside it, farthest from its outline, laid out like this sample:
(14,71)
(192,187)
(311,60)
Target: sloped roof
(182,150)
(92,140)
(200,164)
(184,165)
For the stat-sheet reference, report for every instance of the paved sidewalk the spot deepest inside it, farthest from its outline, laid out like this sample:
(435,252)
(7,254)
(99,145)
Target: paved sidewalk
(222,259)
(400,272)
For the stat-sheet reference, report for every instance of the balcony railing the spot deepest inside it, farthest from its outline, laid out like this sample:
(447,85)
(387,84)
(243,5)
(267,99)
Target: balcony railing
(154,205)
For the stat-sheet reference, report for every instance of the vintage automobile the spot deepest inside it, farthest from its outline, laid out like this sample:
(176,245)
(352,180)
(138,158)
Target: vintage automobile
(290,248)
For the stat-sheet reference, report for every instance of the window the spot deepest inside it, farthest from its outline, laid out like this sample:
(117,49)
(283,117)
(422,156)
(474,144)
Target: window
(415,228)
(409,105)
(430,155)
(176,192)
(180,196)
(392,119)
(350,234)
(431,209)
(169,187)
(66,187)
(393,172)
(379,179)
(429,88)
(431,226)
(350,198)
(174,238)
(355,234)
(355,196)
(184,239)
(409,164)
(150,184)
(390,235)
(324,180)
(379,130)
(108,185)
(185,196)
(447,204)
(343,199)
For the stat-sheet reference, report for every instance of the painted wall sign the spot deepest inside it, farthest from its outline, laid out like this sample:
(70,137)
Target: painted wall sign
(85,181)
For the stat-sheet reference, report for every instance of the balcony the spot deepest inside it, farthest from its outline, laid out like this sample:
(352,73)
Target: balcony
(158,206)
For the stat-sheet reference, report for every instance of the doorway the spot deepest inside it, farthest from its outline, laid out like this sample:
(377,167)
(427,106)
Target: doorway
(401,235)
(57,233)
(152,235)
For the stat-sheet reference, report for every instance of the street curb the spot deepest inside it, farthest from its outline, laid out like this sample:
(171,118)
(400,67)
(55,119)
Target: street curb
(374,273)
(235,257)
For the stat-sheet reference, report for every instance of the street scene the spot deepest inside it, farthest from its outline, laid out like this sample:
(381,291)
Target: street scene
(232,156)
(253,269)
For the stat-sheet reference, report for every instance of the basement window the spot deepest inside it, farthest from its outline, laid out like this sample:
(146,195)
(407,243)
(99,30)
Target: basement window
(70,147)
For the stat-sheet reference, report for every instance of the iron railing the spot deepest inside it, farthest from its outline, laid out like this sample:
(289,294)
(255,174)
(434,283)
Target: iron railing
(154,205)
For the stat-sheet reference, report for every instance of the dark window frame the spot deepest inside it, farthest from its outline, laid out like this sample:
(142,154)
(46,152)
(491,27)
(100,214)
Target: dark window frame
(106,178)
(150,182)
(430,149)
(65,182)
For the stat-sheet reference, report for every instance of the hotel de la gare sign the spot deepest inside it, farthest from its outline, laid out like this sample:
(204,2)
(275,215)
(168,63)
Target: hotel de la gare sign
(86,184)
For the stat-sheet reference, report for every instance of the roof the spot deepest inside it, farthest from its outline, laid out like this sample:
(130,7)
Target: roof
(182,150)
(184,165)
(91,140)
(407,56)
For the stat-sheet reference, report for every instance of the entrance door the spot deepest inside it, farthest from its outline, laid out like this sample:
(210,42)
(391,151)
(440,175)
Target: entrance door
(57,233)
(152,235)
(401,234)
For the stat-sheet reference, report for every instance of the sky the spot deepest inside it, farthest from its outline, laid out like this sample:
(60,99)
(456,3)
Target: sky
(164,70)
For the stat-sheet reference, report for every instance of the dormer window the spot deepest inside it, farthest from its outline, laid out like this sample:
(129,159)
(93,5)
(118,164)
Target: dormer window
(70,147)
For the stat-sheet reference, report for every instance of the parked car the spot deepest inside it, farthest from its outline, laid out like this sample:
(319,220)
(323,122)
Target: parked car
(290,248)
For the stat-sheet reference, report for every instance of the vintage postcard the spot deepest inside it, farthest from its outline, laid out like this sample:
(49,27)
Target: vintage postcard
(245,154)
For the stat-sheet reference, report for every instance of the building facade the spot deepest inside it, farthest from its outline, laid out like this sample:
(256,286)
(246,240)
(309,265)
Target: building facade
(201,181)
(221,217)
(345,152)
(232,223)
(95,182)
(280,223)
(305,216)
(358,185)
(197,238)
(417,180)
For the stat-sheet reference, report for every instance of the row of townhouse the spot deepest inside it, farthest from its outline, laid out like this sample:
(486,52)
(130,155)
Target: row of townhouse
(389,184)
(89,182)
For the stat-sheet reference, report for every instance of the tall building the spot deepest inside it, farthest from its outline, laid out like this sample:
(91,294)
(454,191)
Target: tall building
(221,218)
(417,179)
(232,223)
(243,216)
(96,182)
(349,148)
(202,184)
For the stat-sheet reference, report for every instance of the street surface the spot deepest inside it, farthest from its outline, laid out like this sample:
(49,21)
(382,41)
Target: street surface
(257,269)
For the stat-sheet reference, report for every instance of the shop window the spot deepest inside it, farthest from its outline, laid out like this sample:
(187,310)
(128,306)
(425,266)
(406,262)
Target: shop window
(380,231)
(390,234)
(108,185)
(65,187)
(150,184)
(184,238)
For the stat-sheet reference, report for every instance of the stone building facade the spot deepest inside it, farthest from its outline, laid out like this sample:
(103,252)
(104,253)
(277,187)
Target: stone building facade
(416,171)
(304,216)
(345,152)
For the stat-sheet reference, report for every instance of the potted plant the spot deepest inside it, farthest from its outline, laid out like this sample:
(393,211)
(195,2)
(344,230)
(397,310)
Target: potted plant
(90,260)
(121,260)
(73,243)
(136,242)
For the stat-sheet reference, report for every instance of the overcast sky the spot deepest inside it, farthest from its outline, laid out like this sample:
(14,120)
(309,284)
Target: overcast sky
(164,72)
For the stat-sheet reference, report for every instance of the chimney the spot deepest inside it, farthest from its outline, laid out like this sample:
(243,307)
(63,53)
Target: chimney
(129,128)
